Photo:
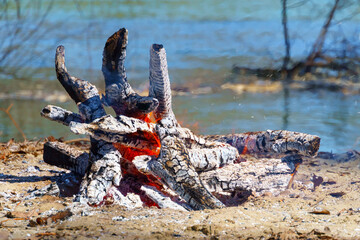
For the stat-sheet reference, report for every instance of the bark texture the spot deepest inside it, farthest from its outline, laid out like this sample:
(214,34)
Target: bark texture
(258,175)
(279,141)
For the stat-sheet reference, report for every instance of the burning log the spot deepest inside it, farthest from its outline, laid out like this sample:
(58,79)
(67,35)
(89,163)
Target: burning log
(279,141)
(163,163)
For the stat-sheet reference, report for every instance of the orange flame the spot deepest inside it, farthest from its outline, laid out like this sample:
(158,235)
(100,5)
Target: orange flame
(129,171)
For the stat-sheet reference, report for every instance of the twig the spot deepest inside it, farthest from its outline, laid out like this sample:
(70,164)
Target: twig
(45,234)
(319,43)
(54,218)
(22,218)
(286,36)
(77,140)
(7,111)
(293,176)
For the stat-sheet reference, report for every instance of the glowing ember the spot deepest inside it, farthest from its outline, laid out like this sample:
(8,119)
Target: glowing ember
(132,178)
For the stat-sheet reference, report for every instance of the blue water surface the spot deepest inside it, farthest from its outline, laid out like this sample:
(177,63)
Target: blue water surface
(203,40)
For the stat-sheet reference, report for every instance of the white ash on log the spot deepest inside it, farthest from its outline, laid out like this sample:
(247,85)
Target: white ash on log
(159,161)
(258,175)
(279,141)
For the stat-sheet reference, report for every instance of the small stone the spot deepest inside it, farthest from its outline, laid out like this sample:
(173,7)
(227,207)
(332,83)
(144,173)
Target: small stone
(267,194)
(120,218)
(319,210)
(32,223)
(9,215)
(32,169)
(14,148)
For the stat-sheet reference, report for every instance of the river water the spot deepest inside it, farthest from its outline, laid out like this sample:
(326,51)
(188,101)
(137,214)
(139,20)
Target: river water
(203,40)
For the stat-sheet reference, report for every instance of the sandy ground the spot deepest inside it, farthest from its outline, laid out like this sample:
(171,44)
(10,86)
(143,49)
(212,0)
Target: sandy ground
(331,210)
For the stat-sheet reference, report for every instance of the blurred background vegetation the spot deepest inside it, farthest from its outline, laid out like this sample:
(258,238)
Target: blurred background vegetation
(235,66)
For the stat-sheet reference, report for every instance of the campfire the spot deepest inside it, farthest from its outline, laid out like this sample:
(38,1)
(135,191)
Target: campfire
(144,157)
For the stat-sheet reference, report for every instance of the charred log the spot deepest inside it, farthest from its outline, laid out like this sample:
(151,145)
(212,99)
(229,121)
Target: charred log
(64,156)
(269,141)
(119,94)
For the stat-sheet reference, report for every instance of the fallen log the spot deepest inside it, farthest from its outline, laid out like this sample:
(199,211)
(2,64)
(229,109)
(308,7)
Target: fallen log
(159,161)
(280,141)
(64,156)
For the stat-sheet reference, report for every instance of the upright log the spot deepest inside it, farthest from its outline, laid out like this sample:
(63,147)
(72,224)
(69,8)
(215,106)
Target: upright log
(160,85)
(119,94)
(105,169)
